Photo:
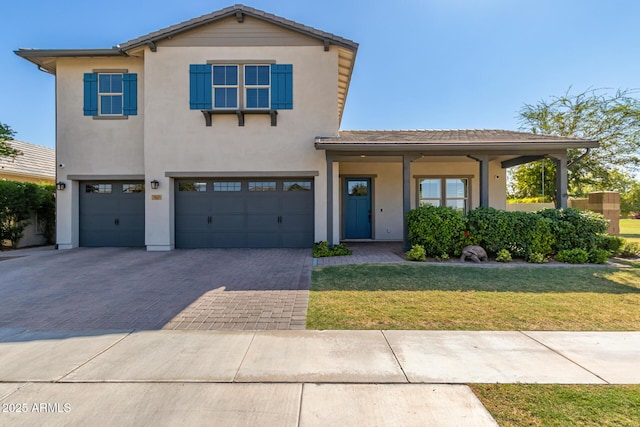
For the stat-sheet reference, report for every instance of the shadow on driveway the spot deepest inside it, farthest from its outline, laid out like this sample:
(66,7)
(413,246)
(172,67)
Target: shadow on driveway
(131,289)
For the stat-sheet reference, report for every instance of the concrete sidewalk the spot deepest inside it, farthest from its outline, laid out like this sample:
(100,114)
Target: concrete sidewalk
(289,378)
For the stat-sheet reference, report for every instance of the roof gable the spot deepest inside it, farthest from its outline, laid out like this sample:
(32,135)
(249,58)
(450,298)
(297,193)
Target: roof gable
(237,12)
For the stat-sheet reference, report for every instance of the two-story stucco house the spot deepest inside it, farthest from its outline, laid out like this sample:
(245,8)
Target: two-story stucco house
(224,131)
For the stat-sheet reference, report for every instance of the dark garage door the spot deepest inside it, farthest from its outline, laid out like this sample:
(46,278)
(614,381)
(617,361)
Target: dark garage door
(112,213)
(244,213)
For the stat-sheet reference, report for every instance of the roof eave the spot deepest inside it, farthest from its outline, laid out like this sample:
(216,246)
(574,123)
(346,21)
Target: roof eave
(42,57)
(453,146)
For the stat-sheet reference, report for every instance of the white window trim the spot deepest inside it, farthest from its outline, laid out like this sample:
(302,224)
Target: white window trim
(246,86)
(237,87)
(443,190)
(101,94)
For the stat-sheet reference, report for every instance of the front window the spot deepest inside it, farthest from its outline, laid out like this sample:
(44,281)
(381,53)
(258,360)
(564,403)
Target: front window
(257,86)
(110,94)
(450,192)
(225,86)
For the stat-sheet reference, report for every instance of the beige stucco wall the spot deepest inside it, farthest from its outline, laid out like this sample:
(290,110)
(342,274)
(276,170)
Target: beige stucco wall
(166,136)
(88,146)
(177,140)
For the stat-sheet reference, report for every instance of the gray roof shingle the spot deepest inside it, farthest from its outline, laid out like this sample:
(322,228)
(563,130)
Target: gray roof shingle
(444,137)
(35,162)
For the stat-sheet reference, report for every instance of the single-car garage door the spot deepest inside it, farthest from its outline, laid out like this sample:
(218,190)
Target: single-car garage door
(244,213)
(112,213)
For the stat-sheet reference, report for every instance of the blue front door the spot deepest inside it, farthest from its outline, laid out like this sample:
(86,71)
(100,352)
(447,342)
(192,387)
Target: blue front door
(357,208)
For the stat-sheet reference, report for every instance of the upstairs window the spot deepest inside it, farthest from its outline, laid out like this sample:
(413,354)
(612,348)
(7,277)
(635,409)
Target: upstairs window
(225,86)
(110,94)
(240,87)
(257,86)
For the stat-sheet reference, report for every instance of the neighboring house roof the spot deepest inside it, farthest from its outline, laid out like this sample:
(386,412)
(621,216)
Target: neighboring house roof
(35,162)
(46,59)
(386,140)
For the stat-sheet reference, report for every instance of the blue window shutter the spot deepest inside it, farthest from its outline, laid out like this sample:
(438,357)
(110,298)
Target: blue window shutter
(130,94)
(200,87)
(281,86)
(90,94)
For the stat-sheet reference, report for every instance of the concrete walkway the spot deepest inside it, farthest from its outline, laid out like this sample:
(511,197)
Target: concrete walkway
(289,378)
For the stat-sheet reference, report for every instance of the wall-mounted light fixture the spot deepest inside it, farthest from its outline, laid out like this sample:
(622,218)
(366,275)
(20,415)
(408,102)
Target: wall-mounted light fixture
(60,185)
(155,184)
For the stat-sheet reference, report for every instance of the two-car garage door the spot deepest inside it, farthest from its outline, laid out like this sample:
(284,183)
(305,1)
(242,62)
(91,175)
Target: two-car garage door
(244,213)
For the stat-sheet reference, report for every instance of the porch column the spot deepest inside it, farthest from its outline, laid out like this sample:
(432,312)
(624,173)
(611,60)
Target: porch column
(562,195)
(483,162)
(329,199)
(406,198)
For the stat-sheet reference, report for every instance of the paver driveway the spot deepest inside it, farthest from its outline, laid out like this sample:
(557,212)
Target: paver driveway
(120,288)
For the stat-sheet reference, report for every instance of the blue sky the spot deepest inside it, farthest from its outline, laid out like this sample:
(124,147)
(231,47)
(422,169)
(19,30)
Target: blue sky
(422,64)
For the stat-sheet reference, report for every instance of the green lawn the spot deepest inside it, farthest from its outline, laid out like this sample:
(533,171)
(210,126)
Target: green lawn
(561,405)
(630,229)
(449,297)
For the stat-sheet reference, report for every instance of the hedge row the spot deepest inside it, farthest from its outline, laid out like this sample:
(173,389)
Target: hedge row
(442,230)
(18,201)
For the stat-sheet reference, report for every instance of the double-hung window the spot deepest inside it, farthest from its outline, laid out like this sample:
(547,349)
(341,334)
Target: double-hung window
(257,85)
(225,86)
(110,94)
(440,191)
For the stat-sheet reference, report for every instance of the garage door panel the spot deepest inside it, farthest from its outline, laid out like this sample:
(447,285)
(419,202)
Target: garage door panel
(229,240)
(296,222)
(262,223)
(297,239)
(90,238)
(228,205)
(263,239)
(229,223)
(111,213)
(192,223)
(263,203)
(193,240)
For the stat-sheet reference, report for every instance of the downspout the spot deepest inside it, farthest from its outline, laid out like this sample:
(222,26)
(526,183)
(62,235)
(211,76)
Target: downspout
(579,157)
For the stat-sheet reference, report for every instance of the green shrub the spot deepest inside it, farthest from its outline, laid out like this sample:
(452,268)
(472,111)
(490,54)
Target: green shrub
(322,249)
(18,201)
(573,256)
(442,257)
(340,250)
(416,253)
(574,229)
(599,256)
(439,230)
(518,232)
(536,258)
(503,256)
(630,250)
(610,243)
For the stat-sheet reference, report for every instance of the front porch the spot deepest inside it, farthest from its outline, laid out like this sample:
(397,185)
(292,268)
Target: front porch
(405,169)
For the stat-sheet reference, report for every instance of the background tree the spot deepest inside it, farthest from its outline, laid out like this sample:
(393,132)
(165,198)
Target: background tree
(611,118)
(7,134)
